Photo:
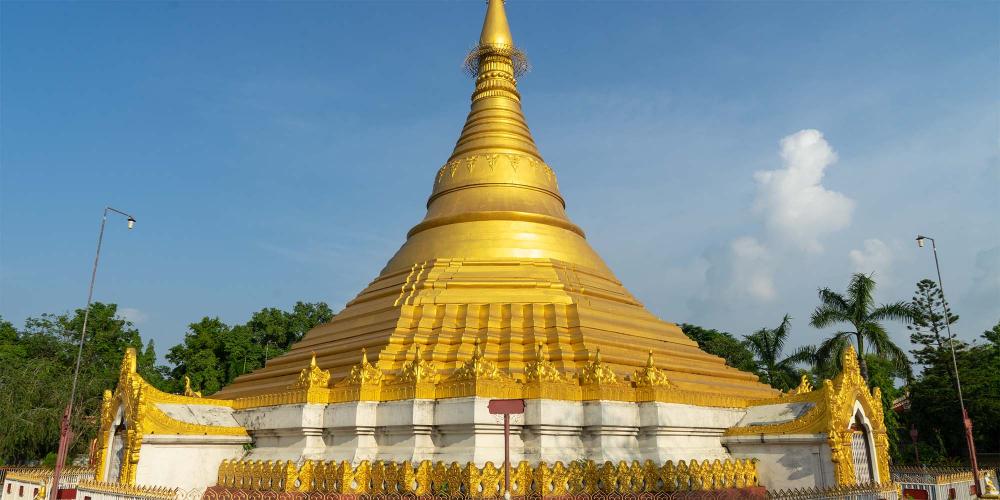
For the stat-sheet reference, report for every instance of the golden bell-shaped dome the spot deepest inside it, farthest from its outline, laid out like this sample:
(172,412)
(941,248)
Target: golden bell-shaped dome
(497,260)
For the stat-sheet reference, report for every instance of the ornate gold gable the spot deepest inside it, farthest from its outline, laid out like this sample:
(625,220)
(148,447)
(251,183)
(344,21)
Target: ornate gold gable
(137,401)
(833,414)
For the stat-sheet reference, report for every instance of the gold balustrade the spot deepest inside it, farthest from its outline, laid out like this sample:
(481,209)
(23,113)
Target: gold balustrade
(125,490)
(454,480)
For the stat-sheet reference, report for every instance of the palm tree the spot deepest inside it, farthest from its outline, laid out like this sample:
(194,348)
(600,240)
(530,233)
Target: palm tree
(858,310)
(767,345)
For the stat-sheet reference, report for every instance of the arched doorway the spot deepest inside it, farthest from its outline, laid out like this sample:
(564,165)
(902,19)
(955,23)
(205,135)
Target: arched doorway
(116,448)
(861,450)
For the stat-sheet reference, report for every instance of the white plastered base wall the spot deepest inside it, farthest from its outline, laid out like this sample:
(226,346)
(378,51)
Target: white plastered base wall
(185,462)
(462,430)
(787,460)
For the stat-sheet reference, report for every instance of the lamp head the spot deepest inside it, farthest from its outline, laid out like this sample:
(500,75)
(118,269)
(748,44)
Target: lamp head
(920,241)
(131,222)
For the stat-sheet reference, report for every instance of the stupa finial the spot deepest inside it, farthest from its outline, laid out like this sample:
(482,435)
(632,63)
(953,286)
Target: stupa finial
(496,31)
(496,40)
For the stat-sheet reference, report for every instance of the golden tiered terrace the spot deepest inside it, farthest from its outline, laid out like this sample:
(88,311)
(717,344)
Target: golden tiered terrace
(497,261)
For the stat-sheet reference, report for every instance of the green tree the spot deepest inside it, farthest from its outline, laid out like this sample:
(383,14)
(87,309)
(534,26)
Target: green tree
(857,310)
(934,406)
(213,353)
(724,345)
(883,374)
(200,355)
(932,316)
(37,378)
(768,345)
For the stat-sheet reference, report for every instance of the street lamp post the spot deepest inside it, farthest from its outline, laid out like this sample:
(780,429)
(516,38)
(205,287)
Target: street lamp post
(966,421)
(65,430)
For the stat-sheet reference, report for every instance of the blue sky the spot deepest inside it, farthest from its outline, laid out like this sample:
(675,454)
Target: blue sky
(726,159)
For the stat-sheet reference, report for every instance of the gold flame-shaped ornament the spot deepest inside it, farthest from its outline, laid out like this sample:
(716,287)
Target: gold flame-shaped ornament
(650,375)
(312,376)
(597,373)
(541,369)
(419,371)
(364,373)
(478,368)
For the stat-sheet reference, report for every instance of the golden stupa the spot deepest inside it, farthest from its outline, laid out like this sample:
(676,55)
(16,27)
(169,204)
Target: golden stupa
(497,265)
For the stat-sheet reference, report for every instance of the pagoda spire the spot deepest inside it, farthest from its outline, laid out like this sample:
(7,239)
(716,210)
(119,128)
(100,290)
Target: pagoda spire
(495,173)
(496,123)
(496,31)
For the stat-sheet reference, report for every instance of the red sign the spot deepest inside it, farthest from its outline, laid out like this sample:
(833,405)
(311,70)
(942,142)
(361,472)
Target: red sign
(508,406)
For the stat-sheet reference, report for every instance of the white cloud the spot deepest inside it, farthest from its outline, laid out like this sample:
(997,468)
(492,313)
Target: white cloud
(751,263)
(875,257)
(134,315)
(796,211)
(984,292)
(794,204)
(742,270)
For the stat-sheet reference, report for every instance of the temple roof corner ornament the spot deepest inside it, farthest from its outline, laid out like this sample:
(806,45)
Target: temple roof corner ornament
(805,385)
(187,389)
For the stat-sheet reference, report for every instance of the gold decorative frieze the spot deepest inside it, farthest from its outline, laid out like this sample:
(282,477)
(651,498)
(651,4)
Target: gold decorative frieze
(420,378)
(455,480)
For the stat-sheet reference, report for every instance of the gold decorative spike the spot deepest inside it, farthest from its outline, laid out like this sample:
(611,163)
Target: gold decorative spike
(364,373)
(650,376)
(312,377)
(541,369)
(478,368)
(419,371)
(187,389)
(597,373)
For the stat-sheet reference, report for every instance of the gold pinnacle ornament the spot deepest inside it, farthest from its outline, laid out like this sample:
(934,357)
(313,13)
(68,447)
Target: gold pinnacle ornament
(497,260)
